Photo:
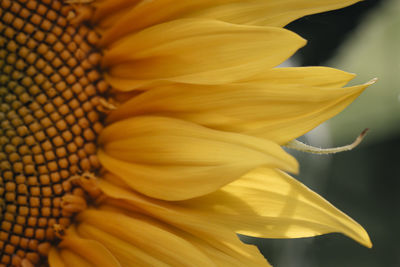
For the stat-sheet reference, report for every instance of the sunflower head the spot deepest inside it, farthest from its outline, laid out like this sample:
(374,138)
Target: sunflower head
(186,151)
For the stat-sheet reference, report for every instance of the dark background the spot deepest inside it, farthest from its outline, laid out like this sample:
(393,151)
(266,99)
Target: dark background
(363,183)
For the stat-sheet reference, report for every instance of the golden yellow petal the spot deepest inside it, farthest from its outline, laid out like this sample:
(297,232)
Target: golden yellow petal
(248,255)
(197,51)
(276,13)
(264,203)
(107,12)
(219,243)
(287,130)
(276,84)
(279,105)
(91,251)
(147,235)
(74,250)
(72,259)
(55,259)
(271,204)
(256,12)
(149,13)
(153,153)
(127,254)
(311,76)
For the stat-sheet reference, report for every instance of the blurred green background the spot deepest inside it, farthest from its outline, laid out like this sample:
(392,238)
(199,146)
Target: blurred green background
(364,183)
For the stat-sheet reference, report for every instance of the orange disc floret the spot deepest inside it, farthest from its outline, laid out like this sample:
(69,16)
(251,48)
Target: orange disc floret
(49,89)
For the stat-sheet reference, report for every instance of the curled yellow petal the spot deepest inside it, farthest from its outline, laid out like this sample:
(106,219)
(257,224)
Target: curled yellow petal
(264,203)
(271,204)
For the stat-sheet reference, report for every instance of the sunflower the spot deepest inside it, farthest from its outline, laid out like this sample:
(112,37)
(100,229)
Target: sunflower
(149,133)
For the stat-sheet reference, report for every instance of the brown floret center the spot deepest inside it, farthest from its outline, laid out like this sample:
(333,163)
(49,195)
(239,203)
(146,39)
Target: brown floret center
(50,86)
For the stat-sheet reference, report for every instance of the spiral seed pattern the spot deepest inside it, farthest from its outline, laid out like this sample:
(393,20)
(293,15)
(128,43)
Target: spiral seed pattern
(50,85)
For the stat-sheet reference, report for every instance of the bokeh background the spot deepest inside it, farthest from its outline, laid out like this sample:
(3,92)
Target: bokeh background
(364,183)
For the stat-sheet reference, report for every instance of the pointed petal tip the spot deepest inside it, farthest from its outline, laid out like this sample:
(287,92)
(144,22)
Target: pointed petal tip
(303,41)
(356,232)
(368,244)
(364,86)
(295,167)
(372,81)
(364,238)
(299,40)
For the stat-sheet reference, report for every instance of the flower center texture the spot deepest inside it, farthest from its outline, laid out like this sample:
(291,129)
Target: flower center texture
(50,88)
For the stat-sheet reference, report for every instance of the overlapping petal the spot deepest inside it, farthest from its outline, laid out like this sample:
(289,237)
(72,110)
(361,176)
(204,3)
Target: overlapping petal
(153,153)
(264,203)
(251,12)
(280,105)
(218,242)
(196,51)
(76,251)
(277,13)
(203,106)
(145,234)
(271,204)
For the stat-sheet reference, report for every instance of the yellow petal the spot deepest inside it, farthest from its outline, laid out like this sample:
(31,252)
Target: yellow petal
(280,105)
(264,203)
(72,259)
(219,243)
(271,204)
(276,13)
(172,159)
(257,12)
(146,14)
(311,76)
(244,255)
(54,258)
(146,234)
(126,253)
(91,251)
(108,12)
(197,51)
(283,131)
(174,99)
